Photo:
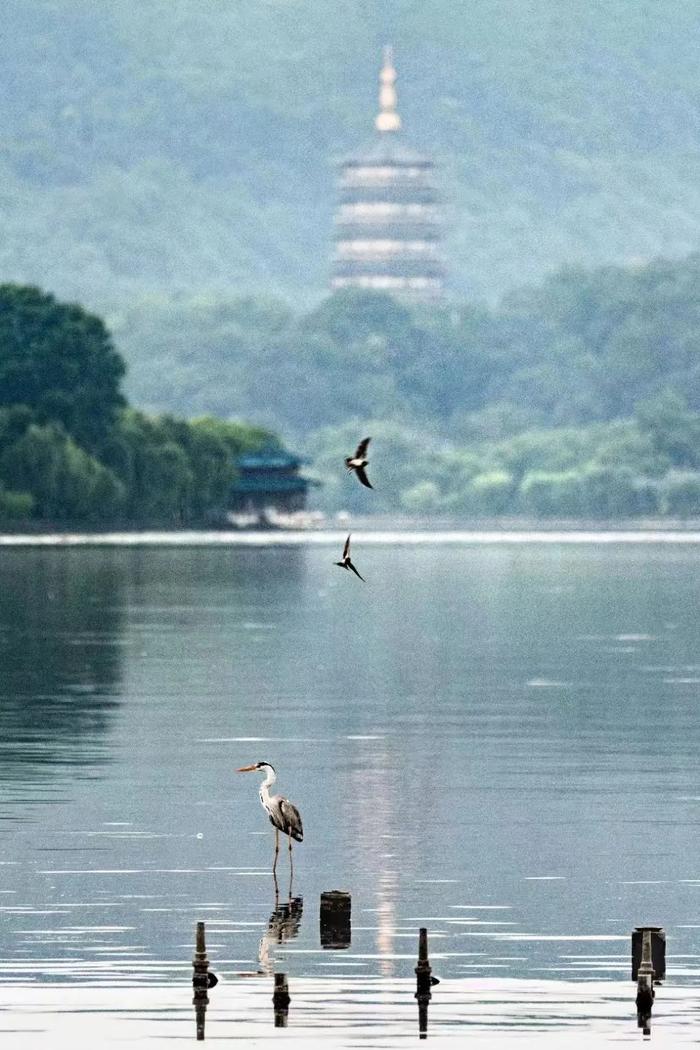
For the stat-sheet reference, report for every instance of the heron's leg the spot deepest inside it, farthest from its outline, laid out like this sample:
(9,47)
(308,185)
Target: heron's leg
(291,858)
(277,849)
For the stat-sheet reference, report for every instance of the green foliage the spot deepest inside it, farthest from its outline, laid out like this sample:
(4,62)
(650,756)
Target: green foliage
(59,362)
(580,398)
(680,493)
(610,492)
(15,506)
(70,451)
(553,494)
(671,429)
(423,498)
(572,400)
(65,483)
(176,471)
(582,348)
(167,146)
(492,492)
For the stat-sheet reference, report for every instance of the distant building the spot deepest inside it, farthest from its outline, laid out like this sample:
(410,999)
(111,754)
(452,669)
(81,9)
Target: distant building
(268,479)
(387,228)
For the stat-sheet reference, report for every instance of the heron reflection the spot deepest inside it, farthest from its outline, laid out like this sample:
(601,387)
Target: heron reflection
(282,926)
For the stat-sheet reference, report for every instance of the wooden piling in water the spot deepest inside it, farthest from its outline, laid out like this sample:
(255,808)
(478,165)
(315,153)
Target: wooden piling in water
(645,983)
(424,982)
(202,980)
(335,919)
(658,951)
(281,1000)
(200,961)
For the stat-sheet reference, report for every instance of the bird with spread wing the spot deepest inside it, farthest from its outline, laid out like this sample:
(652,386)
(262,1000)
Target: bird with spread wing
(346,563)
(359,461)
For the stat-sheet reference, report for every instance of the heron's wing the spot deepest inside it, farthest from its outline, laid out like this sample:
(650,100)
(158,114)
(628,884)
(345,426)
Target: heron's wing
(274,811)
(360,471)
(292,819)
(351,566)
(346,548)
(362,448)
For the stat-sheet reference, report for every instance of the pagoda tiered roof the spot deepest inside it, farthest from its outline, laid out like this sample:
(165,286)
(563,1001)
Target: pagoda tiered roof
(387,224)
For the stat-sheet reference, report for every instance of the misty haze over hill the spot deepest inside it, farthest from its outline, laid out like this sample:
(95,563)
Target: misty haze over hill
(185,147)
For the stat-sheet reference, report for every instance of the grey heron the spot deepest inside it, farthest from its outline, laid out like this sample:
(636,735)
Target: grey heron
(359,461)
(284,815)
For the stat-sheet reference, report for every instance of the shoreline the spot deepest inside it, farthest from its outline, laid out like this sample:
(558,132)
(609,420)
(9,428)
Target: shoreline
(379,535)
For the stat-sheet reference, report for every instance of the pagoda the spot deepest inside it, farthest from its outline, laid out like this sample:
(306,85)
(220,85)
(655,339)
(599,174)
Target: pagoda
(387,228)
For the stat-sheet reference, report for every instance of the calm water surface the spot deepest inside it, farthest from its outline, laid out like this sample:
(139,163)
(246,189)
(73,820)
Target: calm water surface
(498,743)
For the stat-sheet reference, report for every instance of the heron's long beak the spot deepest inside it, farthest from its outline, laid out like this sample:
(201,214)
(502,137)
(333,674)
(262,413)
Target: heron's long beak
(246,769)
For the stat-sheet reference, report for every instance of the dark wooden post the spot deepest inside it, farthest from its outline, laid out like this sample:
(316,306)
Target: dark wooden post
(658,951)
(200,961)
(281,1000)
(200,983)
(202,980)
(335,919)
(645,985)
(424,982)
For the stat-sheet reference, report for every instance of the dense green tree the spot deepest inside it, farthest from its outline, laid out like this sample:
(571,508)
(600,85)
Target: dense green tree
(492,493)
(69,449)
(671,429)
(176,471)
(59,361)
(557,494)
(16,506)
(65,483)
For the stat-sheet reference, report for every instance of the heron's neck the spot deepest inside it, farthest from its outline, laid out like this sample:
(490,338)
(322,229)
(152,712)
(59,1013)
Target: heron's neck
(267,784)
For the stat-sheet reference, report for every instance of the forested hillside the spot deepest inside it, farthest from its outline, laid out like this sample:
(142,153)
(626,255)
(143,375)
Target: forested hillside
(576,397)
(582,347)
(165,148)
(579,398)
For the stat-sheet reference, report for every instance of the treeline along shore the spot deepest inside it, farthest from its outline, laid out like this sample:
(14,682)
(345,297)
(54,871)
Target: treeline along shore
(72,451)
(578,399)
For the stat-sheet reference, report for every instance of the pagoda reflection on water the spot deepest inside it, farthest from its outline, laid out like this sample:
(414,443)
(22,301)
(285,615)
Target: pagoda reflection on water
(387,228)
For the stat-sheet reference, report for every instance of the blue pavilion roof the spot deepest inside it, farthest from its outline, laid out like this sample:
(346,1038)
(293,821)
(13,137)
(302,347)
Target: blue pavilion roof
(269,469)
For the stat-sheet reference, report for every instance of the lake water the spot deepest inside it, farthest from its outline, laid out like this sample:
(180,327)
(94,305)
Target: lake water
(498,742)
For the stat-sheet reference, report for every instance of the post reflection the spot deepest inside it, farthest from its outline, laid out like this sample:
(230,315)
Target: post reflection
(281,1000)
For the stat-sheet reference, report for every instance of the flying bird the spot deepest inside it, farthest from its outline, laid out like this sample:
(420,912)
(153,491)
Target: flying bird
(346,563)
(359,461)
(284,815)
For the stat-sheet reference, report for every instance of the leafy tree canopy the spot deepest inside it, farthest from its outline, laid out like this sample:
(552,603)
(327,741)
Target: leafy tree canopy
(70,448)
(58,360)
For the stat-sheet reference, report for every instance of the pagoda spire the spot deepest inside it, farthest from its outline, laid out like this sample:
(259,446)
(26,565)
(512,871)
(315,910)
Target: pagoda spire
(388,118)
